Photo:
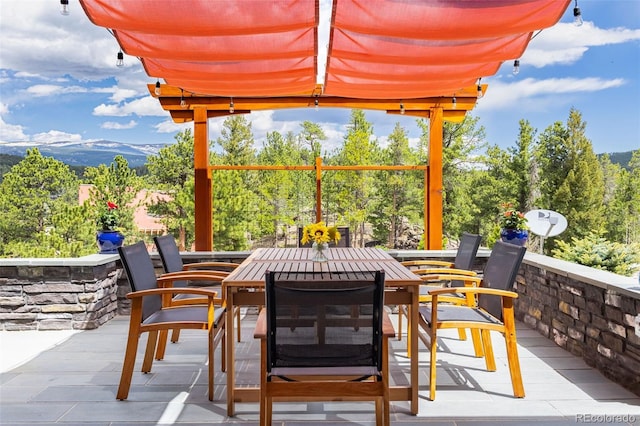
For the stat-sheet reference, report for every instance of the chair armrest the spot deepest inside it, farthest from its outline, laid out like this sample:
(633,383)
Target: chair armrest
(447,271)
(468,280)
(260,331)
(230,265)
(474,290)
(166,280)
(427,262)
(194,275)
(211,294)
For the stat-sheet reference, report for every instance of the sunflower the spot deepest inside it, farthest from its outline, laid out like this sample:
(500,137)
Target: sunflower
(319,233)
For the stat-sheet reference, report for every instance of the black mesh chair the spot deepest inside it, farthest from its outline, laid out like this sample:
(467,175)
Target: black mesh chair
(493,312)
(151,313)
(315,347)
(462,265)
(172,264)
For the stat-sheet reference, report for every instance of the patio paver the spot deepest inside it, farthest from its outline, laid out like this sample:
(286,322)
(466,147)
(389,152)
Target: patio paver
(75,381)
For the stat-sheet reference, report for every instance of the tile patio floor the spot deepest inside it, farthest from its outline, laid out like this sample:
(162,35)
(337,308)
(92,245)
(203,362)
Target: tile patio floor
(74,383)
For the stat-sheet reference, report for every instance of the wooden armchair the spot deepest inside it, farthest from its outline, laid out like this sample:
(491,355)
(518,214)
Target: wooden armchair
(330,354)
(173,266)
(493,312)
(151,312)
(427,269)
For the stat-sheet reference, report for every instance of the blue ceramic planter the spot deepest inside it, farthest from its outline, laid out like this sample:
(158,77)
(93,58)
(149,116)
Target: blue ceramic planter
(514,236)
(109,241)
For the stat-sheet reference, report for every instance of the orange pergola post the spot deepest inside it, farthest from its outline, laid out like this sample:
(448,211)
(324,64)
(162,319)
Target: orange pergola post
(203,186)
(433,240)
(318,189)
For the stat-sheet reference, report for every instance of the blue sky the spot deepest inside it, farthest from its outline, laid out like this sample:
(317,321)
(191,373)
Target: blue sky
(59,82)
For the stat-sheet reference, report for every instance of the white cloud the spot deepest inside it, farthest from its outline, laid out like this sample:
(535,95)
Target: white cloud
(11,132)
(147,106)
(527,93)
(564,43)
(40,90)
(169,126)
(56,136)
(111,125)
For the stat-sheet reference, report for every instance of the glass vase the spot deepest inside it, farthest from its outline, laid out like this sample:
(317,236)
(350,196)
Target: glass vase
(319,251)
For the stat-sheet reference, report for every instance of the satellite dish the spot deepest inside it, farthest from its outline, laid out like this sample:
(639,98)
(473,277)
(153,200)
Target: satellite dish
(545,223)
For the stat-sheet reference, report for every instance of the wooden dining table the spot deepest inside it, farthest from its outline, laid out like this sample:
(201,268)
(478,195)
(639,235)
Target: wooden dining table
(245,287)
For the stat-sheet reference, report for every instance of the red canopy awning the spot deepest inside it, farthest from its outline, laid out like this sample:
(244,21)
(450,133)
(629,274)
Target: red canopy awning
(380,49)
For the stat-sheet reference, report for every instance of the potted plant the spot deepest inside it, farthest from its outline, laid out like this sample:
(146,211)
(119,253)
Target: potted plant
(108,237)
(513,225)
(320,235)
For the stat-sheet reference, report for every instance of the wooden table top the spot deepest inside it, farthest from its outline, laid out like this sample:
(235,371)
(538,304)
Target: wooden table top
(341,261)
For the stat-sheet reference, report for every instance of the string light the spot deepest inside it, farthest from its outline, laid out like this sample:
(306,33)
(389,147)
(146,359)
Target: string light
(516,67)
(401,108)
(232,108)
(64,7)
(454,102)
(317,103)
(480,94)
(577,15)
(158,91)
(183,103)
(120,59)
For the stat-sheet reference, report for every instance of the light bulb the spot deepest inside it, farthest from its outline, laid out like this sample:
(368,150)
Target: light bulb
(516,67)
(64,7)
(577,16)
(183,103)
(480,94)
(316,102)
(401,108)
(232,108)
(158,91)
(120,60)
(454,102)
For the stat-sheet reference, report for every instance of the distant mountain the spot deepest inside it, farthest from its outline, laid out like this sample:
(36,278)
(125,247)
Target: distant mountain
(86,153)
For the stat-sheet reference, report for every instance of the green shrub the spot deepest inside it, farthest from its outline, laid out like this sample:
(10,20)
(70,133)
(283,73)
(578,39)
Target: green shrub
(597,252)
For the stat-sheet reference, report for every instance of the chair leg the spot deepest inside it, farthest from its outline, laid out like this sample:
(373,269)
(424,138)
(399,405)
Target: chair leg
(263,382)
(477,343)
(462,334)
(400,313)
(223,352)
(175,335)
(432,367)
(238,325)
(489,359)
(379,412)
(129,362)
(162,344)
(211,356)
(147,362)
(512,352)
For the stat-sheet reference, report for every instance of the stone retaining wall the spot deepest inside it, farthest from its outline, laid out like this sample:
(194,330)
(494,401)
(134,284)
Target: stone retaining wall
(588,312)
(58,294)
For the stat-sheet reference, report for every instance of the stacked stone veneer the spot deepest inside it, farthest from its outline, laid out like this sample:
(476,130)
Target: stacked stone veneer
(588,312)
(58,294)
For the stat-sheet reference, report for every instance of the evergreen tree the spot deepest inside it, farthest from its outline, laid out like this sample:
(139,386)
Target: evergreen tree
(233,190)
(571,180)
(397,199)
(354,187)
(41,216)
(171,171)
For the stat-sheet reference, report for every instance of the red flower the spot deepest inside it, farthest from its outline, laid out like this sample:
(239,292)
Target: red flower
(111,205)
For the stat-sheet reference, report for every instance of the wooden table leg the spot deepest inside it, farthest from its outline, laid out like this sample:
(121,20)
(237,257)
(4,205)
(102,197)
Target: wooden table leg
(412,326)
(231,359)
